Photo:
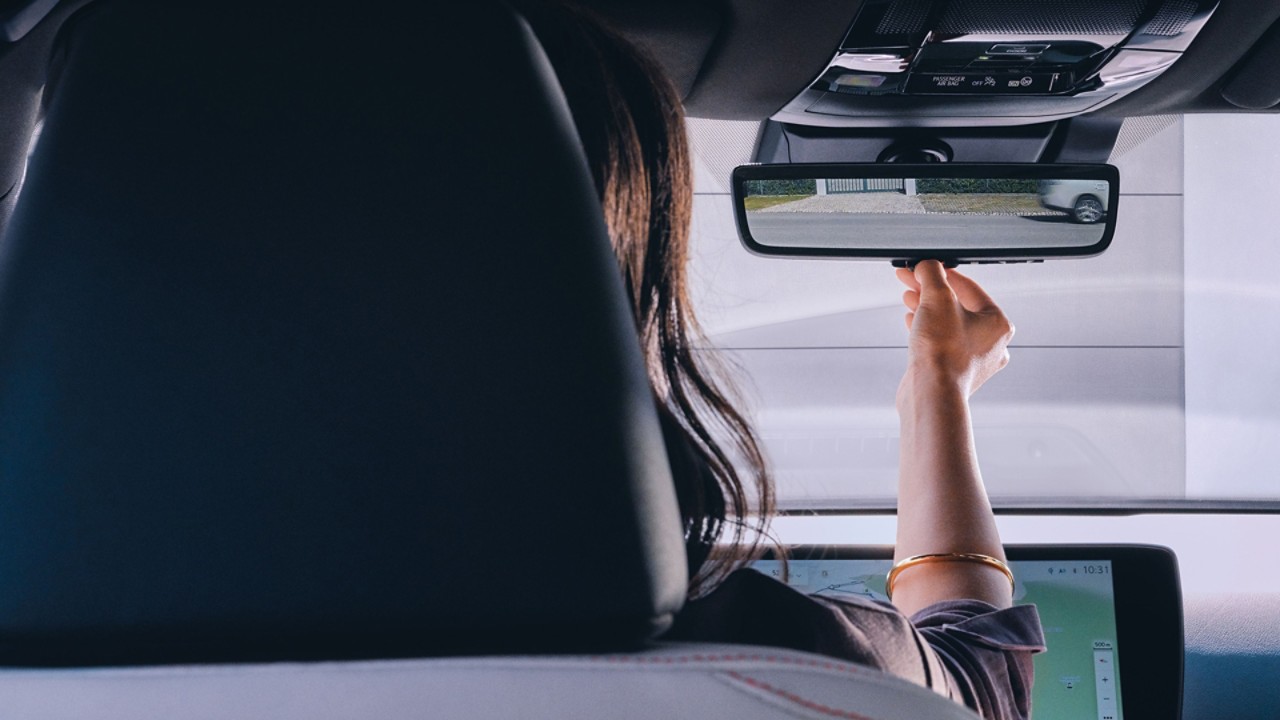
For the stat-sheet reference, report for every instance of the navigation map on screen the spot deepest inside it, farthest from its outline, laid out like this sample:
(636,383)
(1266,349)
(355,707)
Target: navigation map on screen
(1077,678)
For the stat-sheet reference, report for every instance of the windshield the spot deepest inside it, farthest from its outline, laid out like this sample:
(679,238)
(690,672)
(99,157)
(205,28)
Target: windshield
(1143,378)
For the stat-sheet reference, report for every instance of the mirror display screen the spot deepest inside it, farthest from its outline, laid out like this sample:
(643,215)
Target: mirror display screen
(1076,678)
(983,213)
(953,212)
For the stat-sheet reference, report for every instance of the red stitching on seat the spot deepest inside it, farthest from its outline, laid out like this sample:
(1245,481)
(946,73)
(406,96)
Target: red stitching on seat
(810,704)
(737,657)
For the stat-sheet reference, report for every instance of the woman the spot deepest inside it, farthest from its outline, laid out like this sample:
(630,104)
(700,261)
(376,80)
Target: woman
(962,639)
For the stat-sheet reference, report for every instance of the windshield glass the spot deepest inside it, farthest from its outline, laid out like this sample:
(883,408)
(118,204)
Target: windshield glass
(1142,378)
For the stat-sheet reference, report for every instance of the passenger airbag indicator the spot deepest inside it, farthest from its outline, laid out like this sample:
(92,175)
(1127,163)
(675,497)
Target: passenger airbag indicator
(965,83)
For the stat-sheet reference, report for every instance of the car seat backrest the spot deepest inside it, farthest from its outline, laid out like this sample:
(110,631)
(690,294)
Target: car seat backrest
(312,346)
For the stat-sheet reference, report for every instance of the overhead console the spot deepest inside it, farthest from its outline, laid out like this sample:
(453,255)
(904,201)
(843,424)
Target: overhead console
(1009,62)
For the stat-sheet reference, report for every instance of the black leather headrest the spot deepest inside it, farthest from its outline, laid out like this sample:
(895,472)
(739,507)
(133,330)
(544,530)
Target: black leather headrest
(27,30)
(312,346)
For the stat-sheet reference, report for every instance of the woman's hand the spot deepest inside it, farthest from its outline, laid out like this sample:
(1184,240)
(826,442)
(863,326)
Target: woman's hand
(958,335)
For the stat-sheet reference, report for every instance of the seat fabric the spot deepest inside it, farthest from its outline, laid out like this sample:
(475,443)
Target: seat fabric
(699,682)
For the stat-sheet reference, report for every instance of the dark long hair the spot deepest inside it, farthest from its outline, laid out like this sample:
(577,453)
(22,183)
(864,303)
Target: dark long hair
(631,122)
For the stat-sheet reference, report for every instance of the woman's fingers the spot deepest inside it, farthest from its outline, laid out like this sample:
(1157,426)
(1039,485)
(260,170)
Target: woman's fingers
(963,335)
(976,300)
(911,299)
(908,278)
(970,293)
(931,275)
(934,290)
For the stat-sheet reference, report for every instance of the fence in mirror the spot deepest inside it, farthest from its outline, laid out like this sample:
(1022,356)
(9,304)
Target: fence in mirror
(904,213)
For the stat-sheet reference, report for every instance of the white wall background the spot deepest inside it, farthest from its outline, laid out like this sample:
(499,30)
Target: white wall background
(1232,248)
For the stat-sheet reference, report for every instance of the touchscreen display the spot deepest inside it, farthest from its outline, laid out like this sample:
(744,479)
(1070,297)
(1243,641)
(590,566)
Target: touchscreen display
(1077,678)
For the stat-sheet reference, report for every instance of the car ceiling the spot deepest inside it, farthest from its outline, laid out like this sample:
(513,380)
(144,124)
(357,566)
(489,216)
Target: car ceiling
(745,59)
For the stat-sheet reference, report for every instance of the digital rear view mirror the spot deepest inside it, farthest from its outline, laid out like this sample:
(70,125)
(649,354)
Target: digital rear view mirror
(957,213)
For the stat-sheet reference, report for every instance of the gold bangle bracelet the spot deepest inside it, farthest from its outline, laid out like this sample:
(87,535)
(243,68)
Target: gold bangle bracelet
(928,558)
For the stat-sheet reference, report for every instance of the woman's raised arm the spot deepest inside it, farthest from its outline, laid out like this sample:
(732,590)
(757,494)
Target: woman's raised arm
(958,339)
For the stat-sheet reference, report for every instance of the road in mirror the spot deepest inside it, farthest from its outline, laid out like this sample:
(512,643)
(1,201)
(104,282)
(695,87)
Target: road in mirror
(926,213)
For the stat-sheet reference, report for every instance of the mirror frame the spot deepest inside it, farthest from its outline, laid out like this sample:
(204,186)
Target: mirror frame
(908,257)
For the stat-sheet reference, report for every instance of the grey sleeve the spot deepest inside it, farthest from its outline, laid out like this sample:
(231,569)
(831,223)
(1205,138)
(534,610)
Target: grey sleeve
(985,654)
(967,650)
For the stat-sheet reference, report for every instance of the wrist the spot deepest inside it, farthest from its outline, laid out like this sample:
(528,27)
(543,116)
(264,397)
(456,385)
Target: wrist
(925,385)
